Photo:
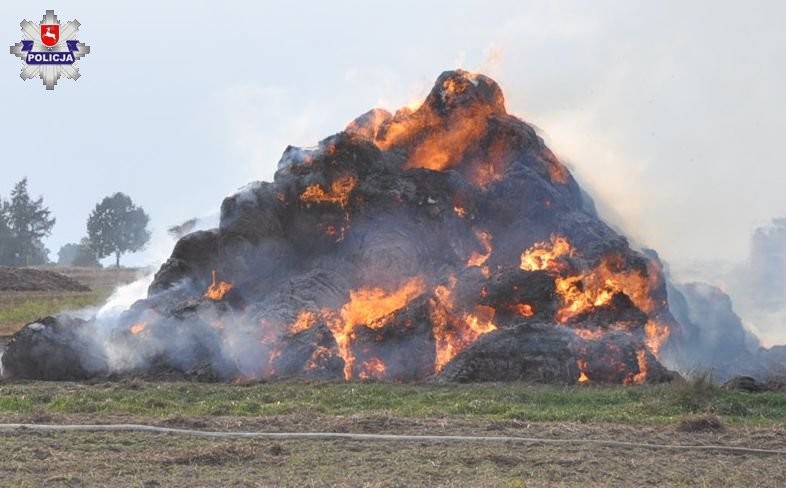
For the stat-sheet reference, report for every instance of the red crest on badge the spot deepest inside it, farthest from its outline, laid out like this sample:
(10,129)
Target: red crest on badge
(50,34)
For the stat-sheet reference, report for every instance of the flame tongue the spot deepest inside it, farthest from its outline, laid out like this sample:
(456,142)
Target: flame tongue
(547,255)
(446,130)
(453,331)
(373,368)
(479,259)
(217,289)
(338,194)
(305,320)
(583,376)
(368,307)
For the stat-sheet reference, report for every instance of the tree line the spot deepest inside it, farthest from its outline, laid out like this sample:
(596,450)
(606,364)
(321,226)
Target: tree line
(114,227)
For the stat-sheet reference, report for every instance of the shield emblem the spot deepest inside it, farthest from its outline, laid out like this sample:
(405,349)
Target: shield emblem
(50,34)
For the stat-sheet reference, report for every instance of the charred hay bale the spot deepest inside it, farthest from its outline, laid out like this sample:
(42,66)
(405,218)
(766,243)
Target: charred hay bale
(256,271)
(744,383)
(505,291)
(312,353)
(617,359)
(250,215)
(192,255)
(458,88)
(618,309)
(531,353)
(718,330)
(53,348)
(324,284)
(189,344)
(391,247)
(401,350)
(339,155)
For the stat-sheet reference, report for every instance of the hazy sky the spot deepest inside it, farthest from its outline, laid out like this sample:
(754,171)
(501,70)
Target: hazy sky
(670,112)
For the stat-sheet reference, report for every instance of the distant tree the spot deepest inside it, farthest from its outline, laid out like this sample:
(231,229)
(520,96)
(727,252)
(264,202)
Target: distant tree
(81,254)
(39,254)
(6,237)
(86,256)
(117,226)
(28,221)
(67,253)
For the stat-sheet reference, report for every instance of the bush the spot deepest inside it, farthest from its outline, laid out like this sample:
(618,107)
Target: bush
(696,393)
(81,254)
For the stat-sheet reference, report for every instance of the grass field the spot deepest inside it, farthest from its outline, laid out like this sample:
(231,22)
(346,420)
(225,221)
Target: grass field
(645,405)
(20,308)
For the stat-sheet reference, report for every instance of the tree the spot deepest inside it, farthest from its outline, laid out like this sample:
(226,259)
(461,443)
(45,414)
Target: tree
(81,254)
(28,221)
(117,226)
(67,253)
(6,237)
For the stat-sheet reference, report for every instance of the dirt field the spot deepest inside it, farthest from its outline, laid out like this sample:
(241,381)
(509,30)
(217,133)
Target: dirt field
(145,459)
(32,279)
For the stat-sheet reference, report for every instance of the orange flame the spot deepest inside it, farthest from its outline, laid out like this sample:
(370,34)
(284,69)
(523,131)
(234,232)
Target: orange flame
(337,195)
(544,255)
(589,334)
(596,288)
(217,289)
(640,377)
(439,144)
(372,368)
(524,309)
(320,354)
(558,173)
(476,258)
(656,334)
(480,322)
(453,332)
(583,376)
(137,328)
(442,146)
(368,306)
(305,320)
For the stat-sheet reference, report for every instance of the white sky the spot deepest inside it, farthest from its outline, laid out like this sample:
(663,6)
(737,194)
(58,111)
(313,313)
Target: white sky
(672,113)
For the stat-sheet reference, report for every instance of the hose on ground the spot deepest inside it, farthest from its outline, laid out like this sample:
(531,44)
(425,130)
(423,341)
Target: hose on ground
(379,437)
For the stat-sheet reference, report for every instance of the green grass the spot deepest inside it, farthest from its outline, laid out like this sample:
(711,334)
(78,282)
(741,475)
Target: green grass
(19,308)
(662,404)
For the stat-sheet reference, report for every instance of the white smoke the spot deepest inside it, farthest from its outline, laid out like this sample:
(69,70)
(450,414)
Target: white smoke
(123,297)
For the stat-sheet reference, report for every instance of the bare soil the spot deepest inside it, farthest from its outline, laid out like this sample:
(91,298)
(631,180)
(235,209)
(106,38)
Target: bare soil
(143,459)
(33,279)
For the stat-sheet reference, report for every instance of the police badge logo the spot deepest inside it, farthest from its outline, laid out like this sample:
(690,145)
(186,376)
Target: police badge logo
(49,52)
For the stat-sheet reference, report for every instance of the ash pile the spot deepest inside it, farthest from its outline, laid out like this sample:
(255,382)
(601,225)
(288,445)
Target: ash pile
(445,242)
